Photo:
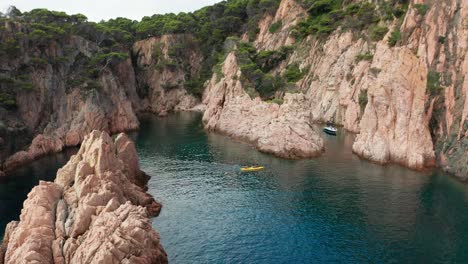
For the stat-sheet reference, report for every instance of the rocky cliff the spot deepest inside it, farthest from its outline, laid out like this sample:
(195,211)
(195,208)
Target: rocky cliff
(164,65)
(54,93)
(55,104)
(281,130)
(406,97)
(96,211)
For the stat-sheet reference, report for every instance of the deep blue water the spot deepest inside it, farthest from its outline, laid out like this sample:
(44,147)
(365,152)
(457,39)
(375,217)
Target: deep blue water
(334,209)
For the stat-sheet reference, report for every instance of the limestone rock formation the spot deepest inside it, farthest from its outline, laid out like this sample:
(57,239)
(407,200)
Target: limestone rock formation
(96,211)
(281,130)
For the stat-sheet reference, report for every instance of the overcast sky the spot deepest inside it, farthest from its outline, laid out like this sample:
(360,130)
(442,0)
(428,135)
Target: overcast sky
(96,10)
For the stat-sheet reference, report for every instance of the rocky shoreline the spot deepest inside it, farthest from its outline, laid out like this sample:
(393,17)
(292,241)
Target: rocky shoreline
(96,211)
(280,130)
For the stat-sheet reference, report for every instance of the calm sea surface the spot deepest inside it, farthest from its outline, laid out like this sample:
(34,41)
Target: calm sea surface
(334,209)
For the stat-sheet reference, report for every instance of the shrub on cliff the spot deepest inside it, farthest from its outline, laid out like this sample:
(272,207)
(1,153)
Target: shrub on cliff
(7,100)
(269,85)
(363,100)
(364,56)
(276,26)
(377,33)
(434,86)
(16,83)
(293,73)
(9,47)
(325,16)
(194,86)
(394,37)
(105,59)
(255,66)
(269,59)
(421,8)
(276,101)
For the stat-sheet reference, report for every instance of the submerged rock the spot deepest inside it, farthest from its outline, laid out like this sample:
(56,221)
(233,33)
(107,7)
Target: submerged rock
(96,211)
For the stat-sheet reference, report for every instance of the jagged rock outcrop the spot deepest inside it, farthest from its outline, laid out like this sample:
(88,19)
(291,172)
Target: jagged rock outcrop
(281,130)
(96,211)
(163,65)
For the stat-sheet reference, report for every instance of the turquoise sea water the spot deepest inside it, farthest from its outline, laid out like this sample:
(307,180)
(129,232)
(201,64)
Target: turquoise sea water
(334,209)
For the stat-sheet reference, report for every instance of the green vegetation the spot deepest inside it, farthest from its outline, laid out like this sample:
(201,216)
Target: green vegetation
(92,85)
(253,72)
(363,100)
(276,26)
(394,37)
(294,73)
(195,86)
(393,8)
(18,83)
(434,83)
(108,58)
(36,61)
(421,8)
(210,26)
(377,33)
(364,56)
(7,100)
(325,16)
(10,85)
(269,59)
(9,47)
(157,53)
(275,101)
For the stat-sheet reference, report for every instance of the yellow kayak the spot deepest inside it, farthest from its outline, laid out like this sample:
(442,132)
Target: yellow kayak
(259,168)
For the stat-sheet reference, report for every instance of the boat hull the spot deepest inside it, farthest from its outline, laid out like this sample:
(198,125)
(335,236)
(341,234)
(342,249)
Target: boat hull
(329,132)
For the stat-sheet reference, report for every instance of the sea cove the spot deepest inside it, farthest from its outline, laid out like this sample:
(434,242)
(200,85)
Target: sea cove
(336,208)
